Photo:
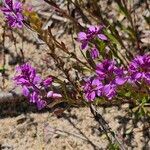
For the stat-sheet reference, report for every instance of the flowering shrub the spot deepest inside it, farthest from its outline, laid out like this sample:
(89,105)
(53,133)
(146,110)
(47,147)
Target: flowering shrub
(110,73)
(118,68)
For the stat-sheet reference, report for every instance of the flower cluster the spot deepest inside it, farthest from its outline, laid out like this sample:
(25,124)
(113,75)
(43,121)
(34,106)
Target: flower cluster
(106,81)
(139,69)
(91,33)
(94,53)
(33,87)
(92,88)
(108,77)
(12,10)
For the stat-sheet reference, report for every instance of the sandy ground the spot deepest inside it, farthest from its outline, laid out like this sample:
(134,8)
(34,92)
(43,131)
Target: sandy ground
(74,130)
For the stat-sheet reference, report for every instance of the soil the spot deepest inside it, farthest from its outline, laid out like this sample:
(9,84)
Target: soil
(75,129)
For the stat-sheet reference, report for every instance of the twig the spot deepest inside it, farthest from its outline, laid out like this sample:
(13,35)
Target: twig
(111,135)
(58,18)
(4,58)
(59,131)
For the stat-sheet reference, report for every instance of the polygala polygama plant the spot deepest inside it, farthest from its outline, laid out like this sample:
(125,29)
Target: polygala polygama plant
(114,67)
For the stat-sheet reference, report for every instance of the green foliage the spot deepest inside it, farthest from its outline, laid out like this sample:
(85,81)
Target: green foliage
(2,69)
(140,110)
(113,146)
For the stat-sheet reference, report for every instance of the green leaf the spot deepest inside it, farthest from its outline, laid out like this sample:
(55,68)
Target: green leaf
(135,109)
(128,131)
(144,100)
(112,38)
(128,94)
(144,110)
(2,69)
(113,146)
(101,46)
(123,9)
(147,19)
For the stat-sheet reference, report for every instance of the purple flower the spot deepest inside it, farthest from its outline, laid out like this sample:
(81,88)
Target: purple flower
(110,73)
(102,37)
(94,53)
(40,104)
(93,30)
(27,75)
(109,91)
(139,69)
(95,88)
(105,69)
(92,88)
(105,83)
(33,87)
(82,37)
(53,95)
(111,76)
(91,33)
(47,82)
(120,76)
(12,10)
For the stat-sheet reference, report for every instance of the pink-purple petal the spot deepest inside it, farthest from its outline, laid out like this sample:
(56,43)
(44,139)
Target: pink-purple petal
(102,37)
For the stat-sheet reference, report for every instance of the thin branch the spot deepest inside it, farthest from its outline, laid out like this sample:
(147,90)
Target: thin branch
(111,135)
